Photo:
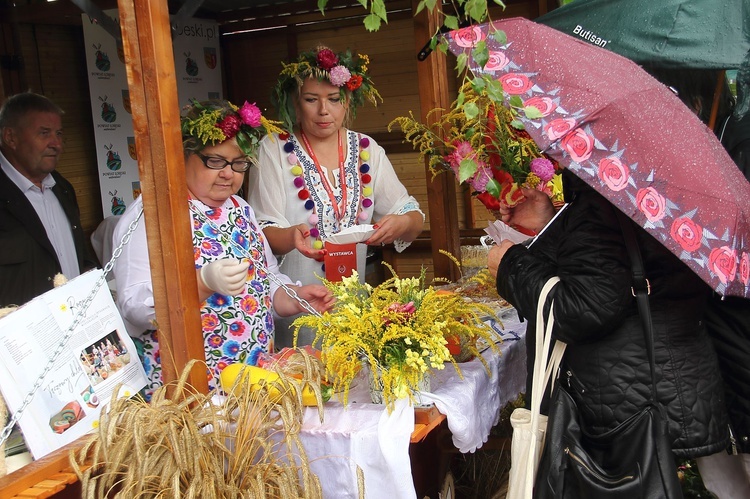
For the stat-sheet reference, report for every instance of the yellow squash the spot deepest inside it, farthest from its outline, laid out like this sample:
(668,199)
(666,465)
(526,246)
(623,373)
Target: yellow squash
(259,377)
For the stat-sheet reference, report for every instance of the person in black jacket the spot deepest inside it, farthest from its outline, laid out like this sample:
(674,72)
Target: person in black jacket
(726,475)
(40,227)
(606,364)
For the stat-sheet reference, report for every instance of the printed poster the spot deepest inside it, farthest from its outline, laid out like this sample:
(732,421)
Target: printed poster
(98,356)
(198,74)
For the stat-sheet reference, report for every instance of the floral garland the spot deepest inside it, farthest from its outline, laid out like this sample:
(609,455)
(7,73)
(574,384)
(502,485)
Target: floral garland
(343,70)
(215,123)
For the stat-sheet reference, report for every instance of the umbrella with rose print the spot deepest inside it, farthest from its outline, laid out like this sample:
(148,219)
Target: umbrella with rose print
(630,138)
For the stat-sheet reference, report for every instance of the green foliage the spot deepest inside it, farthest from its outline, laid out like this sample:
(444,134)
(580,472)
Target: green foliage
(472,11)
(691,481)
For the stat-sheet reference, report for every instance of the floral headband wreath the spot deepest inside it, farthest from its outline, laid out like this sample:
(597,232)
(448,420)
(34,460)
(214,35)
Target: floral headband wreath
(343,70)
(212,122)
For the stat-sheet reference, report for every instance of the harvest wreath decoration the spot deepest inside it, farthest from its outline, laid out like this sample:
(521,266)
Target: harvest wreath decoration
(480,140)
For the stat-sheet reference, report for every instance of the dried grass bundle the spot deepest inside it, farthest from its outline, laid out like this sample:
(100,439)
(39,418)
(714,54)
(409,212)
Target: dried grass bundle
(183,445)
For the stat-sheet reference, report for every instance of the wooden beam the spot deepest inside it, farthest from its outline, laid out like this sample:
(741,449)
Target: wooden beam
(432,74)
(269,17)
(153,94)
(60,12)
(39,470)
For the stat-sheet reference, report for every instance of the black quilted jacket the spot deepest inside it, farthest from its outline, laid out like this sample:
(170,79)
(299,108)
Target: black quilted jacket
(595,313)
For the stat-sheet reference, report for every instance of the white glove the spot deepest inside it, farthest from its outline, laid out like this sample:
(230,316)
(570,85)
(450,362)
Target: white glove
(226,276)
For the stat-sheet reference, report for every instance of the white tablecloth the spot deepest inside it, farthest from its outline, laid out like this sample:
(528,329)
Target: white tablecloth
(365,434)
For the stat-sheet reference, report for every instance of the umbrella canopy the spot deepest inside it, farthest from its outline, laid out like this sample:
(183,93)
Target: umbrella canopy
(706,34)
(631,139)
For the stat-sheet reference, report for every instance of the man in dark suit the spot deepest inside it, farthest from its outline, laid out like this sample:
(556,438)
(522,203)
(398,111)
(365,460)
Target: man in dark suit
(40,226)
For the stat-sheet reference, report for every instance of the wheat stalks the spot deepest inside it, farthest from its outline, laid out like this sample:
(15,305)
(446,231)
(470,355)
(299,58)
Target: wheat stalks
(181,445)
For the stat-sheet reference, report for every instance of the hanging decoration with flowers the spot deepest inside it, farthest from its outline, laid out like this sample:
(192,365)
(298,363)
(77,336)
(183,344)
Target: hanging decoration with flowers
(481,141)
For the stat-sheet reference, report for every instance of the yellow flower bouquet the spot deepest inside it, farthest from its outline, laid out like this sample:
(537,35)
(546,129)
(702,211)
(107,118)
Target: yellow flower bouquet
(398,329)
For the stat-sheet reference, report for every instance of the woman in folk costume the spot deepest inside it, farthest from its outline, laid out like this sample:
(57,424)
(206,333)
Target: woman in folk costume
(320,177)
(233,261)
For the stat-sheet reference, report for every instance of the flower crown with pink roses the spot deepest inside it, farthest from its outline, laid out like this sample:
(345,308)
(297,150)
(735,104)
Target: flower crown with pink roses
(343,70)
(214,121)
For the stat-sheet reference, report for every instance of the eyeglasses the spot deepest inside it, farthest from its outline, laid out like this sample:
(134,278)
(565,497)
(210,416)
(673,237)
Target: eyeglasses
(214,163)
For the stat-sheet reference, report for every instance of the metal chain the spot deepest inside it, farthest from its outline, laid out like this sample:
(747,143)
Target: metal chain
(246,254)
(100,282)
(69,332)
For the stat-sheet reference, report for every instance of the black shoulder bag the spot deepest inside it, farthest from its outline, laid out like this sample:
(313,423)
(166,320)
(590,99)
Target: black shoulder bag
(633,460)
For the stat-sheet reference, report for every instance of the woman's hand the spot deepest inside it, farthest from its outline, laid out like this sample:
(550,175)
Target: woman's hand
(496,256)
(284,239)
(302,244)
(533,212)
(320,297)
(391,227)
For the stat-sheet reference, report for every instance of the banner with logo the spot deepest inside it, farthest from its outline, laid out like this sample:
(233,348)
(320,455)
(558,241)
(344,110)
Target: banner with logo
(198,73)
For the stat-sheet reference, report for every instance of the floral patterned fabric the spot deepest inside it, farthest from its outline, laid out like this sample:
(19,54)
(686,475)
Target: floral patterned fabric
(235,328)
(630,138)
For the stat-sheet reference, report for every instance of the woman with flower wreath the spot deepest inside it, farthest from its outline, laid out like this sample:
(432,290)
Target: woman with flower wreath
(232,257)
(319,177)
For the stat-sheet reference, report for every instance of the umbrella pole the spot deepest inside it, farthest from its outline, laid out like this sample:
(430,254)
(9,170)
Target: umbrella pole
(717,96)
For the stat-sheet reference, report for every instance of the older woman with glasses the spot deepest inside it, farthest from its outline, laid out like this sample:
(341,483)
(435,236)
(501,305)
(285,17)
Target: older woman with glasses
(233,261)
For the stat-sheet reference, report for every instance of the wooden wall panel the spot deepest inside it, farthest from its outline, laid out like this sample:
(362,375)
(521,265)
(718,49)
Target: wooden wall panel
(251,66)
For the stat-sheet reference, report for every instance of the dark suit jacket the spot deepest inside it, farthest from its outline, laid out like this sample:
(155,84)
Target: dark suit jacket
(27,259)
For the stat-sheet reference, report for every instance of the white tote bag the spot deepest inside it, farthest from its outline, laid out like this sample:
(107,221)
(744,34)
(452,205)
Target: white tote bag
(529,427)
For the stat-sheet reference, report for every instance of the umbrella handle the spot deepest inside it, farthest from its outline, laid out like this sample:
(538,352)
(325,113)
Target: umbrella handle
(717,96)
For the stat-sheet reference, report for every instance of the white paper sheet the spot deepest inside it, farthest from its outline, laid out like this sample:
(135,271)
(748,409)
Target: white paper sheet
(353,234)
(98,356)
(499,231)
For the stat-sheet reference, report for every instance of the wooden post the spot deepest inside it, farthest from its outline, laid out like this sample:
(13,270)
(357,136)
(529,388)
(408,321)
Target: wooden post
(441,191)
(147,42)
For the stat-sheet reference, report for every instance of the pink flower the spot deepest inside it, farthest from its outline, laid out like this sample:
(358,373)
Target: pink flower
(687,233)
(339,76)
(578,144)
(463,150)
(613,173)
(516,83)
(723,262)
(651,203)
(481,178)
(745,269)
(559,127)
(327,59)
(543,168)
(469,36)
(545,105)
(250,114)
(497,61)
(230,125)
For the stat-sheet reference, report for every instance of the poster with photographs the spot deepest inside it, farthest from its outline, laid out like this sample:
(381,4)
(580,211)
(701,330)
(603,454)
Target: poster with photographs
(198,74)
(97,357)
